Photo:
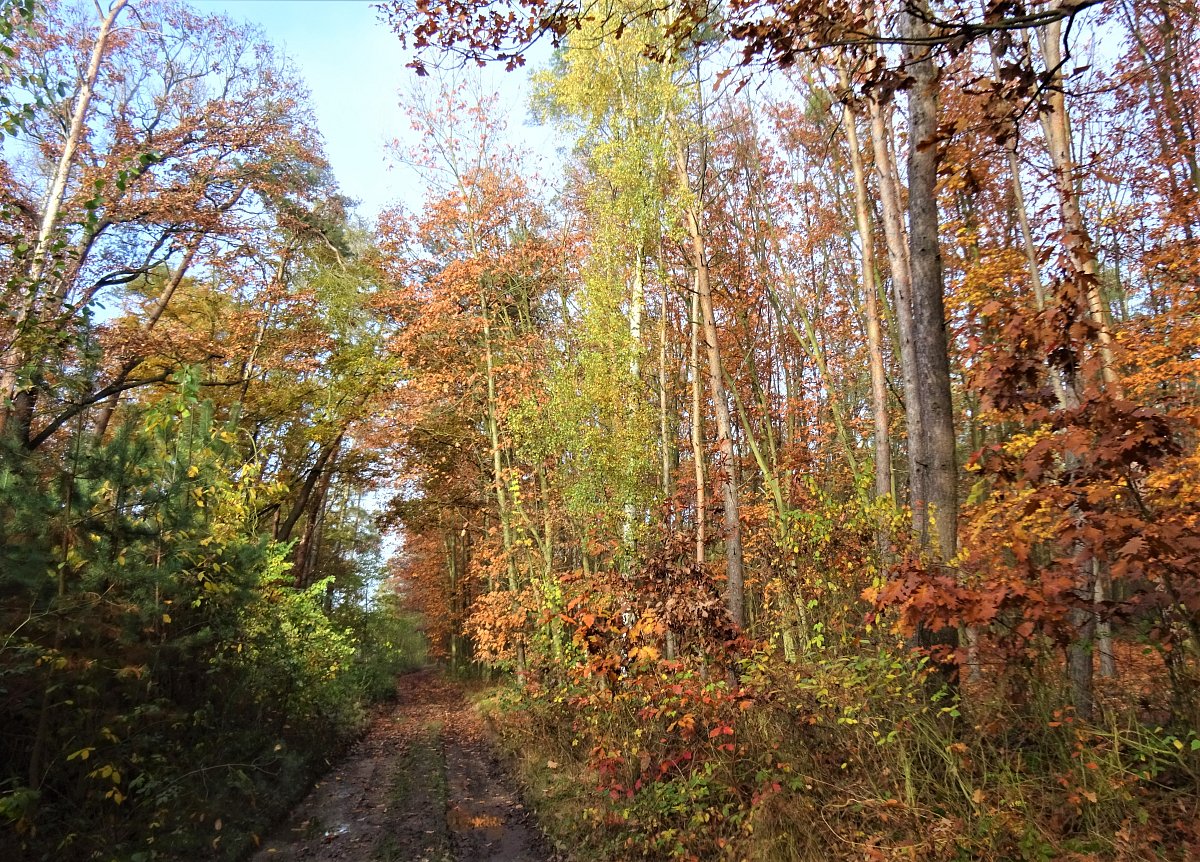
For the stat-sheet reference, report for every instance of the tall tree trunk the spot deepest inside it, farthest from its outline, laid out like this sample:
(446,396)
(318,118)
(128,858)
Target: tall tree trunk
(879,396)
(283,529)
(156,312)
(1056,128)
(935,506)
(727,469)
(307,549)
(936,465)
(14,355)
(451,543)
(698,429)
(556,639)
(810,342)
(666,441)
(896,239)
(636,306)
(789,602)
(502,508)
(1170,70)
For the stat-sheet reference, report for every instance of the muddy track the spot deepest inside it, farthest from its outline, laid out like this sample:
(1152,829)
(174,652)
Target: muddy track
(424,785)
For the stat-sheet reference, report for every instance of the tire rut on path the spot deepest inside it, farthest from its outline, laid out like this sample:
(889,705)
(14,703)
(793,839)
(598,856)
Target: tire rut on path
(424,785)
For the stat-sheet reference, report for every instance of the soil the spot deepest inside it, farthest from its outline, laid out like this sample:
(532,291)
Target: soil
(424,785)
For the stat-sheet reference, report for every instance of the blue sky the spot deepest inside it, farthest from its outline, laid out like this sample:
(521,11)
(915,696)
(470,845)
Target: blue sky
(355,68)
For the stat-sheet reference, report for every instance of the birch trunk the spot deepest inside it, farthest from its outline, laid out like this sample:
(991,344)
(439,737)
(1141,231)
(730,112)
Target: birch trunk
(896,239)
(727,469)
(13,358)
(698,430)
(879,396)
(636,306)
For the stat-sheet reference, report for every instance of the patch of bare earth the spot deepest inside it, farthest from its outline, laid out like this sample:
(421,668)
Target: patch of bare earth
(424,785)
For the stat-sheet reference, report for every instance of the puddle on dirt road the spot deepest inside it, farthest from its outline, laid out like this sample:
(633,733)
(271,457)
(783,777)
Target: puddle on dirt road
(461,819)
(331,834)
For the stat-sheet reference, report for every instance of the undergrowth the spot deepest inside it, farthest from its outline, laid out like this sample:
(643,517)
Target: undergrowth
(843,758)
(167,686)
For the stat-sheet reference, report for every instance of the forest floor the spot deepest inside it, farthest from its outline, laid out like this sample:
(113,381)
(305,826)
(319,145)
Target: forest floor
(423,785)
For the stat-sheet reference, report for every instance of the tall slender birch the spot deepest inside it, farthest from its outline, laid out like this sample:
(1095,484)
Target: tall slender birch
(879,395)
(13,358)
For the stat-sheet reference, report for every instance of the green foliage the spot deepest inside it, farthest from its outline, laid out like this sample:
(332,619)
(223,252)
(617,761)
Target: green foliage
(159,671)
(591,421)
(387,643)
(595,419)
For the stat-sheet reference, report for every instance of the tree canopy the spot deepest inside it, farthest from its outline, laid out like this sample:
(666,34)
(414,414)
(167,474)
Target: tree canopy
(807,461)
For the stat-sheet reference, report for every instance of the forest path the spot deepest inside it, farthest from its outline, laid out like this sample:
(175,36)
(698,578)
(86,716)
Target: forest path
(424,785)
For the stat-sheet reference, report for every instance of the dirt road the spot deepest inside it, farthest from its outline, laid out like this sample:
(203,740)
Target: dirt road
(424,785)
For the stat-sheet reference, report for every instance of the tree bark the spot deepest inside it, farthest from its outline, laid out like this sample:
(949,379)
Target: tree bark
(698,429)
(896,239)
(666,444)
(935,497)
(283,531)
(1056,126)
(879,396)
(937,521)
(156,312)
(307,549)
(636,306)
(727,469)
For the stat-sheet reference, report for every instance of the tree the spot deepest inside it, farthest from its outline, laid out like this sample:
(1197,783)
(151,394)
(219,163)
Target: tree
(161,167)
(186,563)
